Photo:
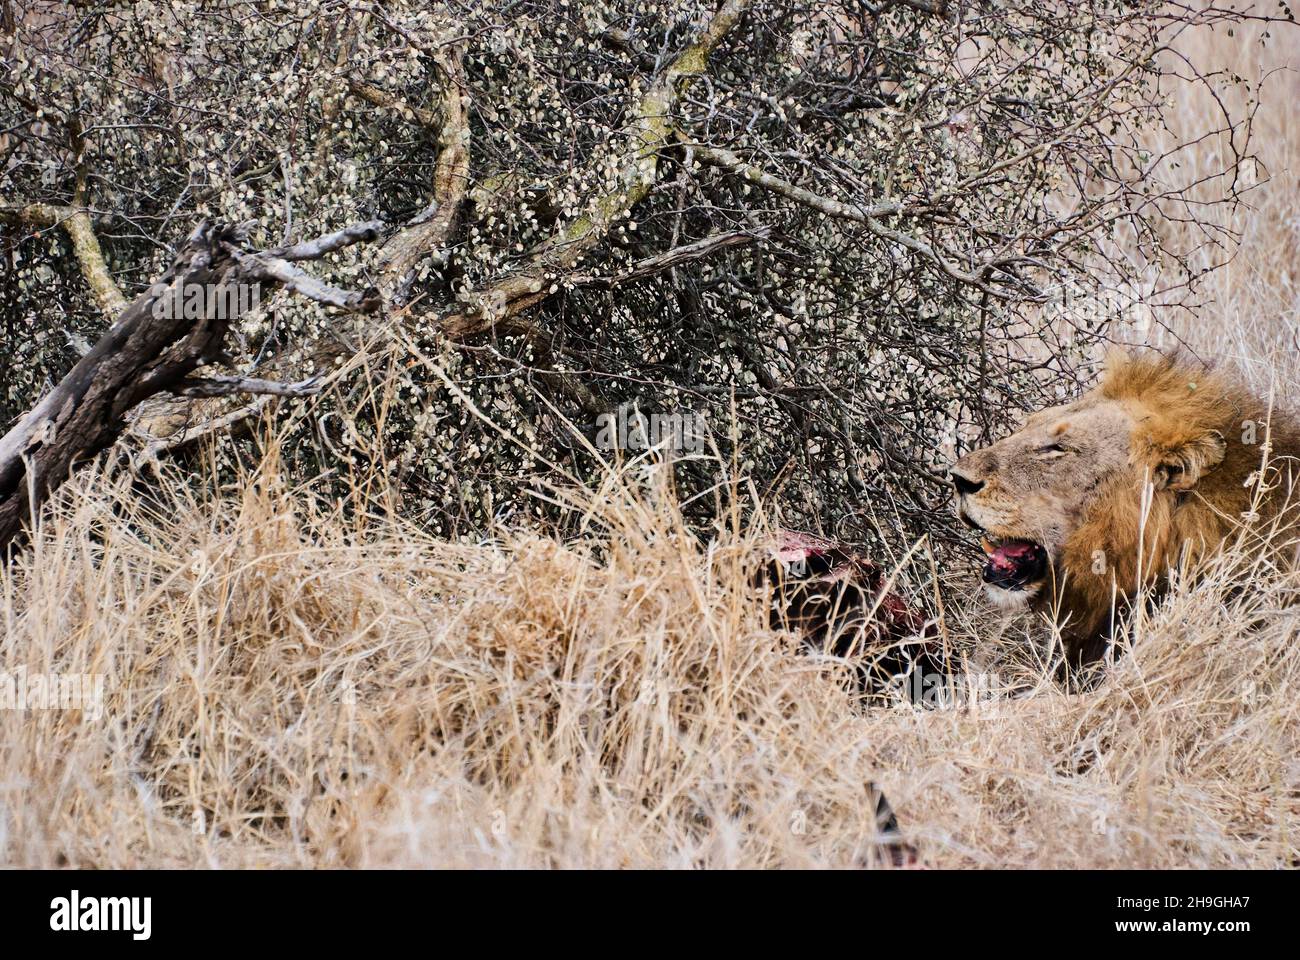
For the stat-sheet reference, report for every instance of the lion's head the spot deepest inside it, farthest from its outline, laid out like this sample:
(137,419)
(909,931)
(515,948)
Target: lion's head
(1157,458)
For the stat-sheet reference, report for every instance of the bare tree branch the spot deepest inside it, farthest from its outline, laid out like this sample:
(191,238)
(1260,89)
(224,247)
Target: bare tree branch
(676,257)
(90,256)
(729,161)
(261,266)
(315,249)
(868,216)
(384,99)
(149,349)
(644,137)
(425,237)
(229,386)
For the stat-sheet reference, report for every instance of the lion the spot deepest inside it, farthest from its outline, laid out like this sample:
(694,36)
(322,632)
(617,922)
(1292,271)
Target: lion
(1160,463)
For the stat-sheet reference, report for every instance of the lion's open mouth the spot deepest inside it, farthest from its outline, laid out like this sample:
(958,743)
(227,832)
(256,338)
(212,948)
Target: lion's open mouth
(1013,564)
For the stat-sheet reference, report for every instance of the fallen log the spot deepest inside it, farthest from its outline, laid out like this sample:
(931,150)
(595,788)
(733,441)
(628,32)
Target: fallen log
(156,345)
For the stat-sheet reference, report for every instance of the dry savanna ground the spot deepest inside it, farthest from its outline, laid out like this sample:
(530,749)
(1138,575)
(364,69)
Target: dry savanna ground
(284,686)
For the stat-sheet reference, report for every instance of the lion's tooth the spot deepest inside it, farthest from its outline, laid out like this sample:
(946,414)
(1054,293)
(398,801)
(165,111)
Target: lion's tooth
(988,547)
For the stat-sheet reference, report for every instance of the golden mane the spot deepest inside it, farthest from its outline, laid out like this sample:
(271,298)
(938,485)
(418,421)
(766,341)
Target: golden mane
(1174,385)
(1198,437)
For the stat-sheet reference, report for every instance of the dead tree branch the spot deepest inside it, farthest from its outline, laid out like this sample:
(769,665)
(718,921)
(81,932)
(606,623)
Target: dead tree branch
(230,386)
(676,257)
(869,216)
(645,136)
(426,236)
(90,257)
(149,349)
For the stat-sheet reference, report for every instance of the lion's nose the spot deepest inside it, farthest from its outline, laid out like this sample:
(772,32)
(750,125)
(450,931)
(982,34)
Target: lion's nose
(964,484)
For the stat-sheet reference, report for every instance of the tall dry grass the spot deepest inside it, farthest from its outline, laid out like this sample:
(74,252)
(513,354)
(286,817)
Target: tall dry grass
(286,686)
(290,681)
(284,690)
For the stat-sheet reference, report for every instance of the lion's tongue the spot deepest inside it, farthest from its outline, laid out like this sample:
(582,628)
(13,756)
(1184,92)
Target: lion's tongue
(1010,554)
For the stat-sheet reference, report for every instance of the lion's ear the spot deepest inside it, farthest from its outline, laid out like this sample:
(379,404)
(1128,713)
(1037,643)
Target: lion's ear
(1181,467)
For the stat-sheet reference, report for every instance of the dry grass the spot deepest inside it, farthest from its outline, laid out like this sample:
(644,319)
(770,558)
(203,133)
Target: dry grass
(285,686)
(281,689)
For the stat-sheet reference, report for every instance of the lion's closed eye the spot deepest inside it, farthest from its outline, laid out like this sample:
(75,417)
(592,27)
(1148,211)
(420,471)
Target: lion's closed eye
(1052,450)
